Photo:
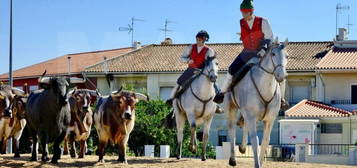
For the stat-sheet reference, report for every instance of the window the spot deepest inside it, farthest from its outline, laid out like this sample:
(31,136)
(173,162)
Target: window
(222,137)
(354,94)
(331,128)
(165,92)
(298,93)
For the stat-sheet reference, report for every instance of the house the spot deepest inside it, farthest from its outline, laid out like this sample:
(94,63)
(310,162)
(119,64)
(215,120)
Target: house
(313,122)
(70,64)
(156,68)
(334,87)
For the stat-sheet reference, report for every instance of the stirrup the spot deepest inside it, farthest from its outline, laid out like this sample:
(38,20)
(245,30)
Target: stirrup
(219,98)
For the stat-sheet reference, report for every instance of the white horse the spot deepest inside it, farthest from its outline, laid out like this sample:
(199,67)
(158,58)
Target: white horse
(196,105)
(257,98)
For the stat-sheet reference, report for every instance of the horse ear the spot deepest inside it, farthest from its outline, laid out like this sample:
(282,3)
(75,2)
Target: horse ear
(286,42)
(276,41)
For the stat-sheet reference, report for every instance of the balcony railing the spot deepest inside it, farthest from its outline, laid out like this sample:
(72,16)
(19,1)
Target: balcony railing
(341,102)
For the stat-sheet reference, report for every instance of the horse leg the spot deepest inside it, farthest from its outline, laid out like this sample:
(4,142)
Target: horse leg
(243,146)
(65,146)
(268,125)
(193,141)
(206,127)
(252,126)
(232,120)
(180,124)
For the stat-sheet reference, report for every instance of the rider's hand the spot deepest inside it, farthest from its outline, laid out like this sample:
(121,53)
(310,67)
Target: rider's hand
(261,53)
(190,61)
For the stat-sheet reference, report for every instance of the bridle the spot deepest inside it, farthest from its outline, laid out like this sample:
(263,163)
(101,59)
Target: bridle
(275,66)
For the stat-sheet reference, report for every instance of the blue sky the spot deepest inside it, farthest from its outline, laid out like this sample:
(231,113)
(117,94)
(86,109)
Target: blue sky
(45,29)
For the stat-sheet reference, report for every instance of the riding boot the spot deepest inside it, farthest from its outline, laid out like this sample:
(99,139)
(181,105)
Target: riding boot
(173,95)
(220,96)
(284,104)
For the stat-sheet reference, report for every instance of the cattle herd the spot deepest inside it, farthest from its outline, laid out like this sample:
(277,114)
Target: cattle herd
(58,113)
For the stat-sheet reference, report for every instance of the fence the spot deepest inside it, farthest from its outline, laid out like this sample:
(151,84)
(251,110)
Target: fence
(281,152)
(329,149)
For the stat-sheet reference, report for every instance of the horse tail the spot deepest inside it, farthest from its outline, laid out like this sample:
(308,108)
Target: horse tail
(170,120)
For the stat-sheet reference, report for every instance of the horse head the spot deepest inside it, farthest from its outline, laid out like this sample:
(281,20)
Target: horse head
(211,68)
(278,56)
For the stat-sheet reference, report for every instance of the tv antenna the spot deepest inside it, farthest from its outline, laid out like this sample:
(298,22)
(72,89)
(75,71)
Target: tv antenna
(165,29)
(339,8)
(130,29)
(349,24)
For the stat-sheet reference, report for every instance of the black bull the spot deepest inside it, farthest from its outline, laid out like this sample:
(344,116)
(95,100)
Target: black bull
(48,115)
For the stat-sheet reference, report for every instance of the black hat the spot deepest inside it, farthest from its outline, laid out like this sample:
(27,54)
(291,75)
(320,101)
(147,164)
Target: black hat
(203,33)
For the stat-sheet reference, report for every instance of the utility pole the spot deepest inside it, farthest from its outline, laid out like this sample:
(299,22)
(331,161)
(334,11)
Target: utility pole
(9,145)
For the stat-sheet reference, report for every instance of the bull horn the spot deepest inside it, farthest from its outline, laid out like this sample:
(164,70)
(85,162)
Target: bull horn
(18,92)
(141,96)
(118,91)
(76,80)
(44,80)
(72,91)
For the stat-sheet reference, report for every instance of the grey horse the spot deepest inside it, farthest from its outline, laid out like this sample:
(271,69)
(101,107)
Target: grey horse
(196,105)
(257,98)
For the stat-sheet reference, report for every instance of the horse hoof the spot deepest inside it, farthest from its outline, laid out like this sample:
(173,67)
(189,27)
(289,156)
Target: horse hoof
(101,161)
(80,156)
(33,159)
(178,157)
(232,162)
(203,159)
(16,155)
(65,153)
(242,149)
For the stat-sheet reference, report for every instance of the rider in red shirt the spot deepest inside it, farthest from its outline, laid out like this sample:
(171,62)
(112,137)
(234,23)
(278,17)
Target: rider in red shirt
(195,56)
(256,35)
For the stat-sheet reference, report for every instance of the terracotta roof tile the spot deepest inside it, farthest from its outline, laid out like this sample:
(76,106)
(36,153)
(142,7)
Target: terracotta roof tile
(313,109)
(339,58)
(59,65)
(303,56)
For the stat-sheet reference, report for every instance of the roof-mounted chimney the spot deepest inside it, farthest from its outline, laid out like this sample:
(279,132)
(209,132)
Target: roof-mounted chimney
(342,34)
(136,45)
(167,41)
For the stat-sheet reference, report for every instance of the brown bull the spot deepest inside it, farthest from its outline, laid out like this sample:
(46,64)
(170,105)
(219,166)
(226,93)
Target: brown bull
(81,119)
(12,102)
(114,119)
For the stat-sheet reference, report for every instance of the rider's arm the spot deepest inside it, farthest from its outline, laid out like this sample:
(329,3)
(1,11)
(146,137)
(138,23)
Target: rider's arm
(185,57)
(268,34)
(210,53)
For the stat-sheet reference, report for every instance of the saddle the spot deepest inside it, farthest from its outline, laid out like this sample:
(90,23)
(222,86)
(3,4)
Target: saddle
(238,76)
(187,83)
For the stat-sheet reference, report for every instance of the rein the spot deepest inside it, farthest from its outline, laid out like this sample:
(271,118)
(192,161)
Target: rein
(202,72)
